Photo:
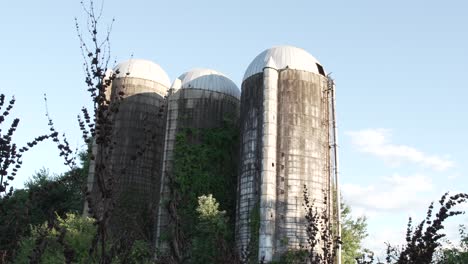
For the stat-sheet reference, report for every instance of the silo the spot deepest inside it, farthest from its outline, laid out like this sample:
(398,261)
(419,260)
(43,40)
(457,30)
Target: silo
(284,146)
(134,164)
(199,100)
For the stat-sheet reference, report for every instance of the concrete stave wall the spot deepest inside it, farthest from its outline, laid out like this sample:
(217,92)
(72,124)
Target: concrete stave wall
(248,184)
(301,153)
(138,125)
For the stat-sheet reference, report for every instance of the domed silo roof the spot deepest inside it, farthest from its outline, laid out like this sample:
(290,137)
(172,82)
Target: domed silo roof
(211,80)
(284,57)
(142,69)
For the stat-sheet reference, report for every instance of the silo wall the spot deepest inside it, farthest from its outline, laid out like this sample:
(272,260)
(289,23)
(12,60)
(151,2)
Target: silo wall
(251,127)
(188,108)
(302,154)
(136,159)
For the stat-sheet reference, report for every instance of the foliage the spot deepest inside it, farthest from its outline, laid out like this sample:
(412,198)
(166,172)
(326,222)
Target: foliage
(205,159)
(10,153)
(455,254)
(211,232)
(43,197)
(366,257)
(423,240)
(353,231)
(138,252)
(321,238)
(98,125)
(11,212)
(14,223)
(78,234)
(251,253)
(204,162)
(131,219)
(208,210)
(70,239)
(293,257)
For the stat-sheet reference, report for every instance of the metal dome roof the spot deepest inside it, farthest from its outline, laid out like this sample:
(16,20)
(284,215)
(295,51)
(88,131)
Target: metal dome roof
(143,69)
(207,79)
(283,56)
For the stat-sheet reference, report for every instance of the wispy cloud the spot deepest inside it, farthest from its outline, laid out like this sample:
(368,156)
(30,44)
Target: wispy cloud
(388,202)
(394,193)
(376,142)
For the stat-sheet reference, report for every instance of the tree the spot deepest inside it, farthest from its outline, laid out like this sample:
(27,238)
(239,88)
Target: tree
(423,240)
(353,231)
(10,153)
(211,232)
(67,242)
(44,197)
(455,254)
(11,213)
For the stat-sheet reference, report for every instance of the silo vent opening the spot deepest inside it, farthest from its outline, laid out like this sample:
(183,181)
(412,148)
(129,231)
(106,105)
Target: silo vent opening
(320,69)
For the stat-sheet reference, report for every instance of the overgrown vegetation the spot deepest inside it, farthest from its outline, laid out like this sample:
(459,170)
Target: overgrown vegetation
(205,163)
(353,232)
(10,153)
(455,254)
(211,232)
(69,239)
(423,240)
(44,197)
(250,254)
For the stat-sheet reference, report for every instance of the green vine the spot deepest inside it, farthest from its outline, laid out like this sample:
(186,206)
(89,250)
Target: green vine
(205,162)
(254,234)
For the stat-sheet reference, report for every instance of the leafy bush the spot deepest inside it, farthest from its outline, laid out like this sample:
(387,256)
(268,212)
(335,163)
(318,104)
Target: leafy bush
(43,197)
(211,232)
(70,239)
(455,254)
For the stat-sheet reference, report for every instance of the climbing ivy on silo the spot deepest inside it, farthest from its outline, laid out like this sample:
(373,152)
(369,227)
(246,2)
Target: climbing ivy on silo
(205,162)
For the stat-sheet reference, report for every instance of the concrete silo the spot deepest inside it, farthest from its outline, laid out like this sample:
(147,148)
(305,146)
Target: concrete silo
(284,145)
(199,100)
(135,162)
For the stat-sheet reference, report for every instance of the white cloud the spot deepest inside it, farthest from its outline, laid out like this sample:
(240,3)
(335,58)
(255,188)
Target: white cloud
(395,193)
(376,142)
(388,203)
(391,228)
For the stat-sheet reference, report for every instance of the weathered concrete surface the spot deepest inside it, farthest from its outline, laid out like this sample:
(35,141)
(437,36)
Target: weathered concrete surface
(138,132)
(268,172)
(248,185)
(302,154)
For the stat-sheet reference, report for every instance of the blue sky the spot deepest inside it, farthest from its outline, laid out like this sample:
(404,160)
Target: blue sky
(400,69)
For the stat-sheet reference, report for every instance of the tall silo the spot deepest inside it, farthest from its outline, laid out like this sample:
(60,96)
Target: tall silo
(137,139)
(199,100)
(284,146)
